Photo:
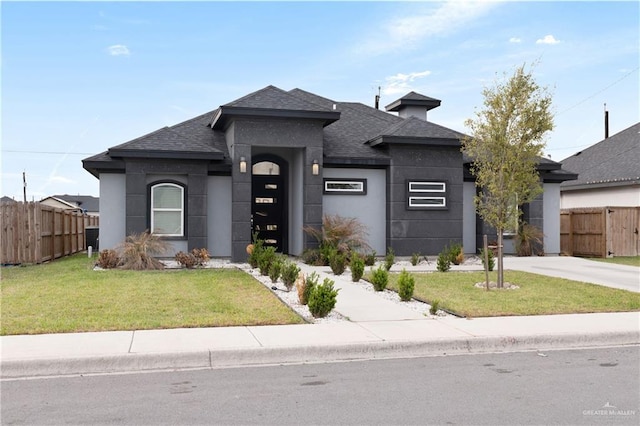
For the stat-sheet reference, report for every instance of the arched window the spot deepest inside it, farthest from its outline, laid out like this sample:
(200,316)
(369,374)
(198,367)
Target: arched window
(167,210)
(265,168)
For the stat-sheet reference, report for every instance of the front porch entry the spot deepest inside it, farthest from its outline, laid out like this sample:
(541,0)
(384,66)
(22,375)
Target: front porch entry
(269,201)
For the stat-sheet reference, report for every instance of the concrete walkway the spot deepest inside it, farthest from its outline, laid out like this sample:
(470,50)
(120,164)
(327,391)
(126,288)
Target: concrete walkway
(376,328)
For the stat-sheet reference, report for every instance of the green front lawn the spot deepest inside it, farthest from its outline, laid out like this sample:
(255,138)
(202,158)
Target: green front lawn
(68,296)
(622,260)
(537,295)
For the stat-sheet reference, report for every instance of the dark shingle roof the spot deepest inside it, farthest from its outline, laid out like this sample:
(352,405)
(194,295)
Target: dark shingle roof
(272,97)
(167,142)
(344,138)
(615,160)
(415,127)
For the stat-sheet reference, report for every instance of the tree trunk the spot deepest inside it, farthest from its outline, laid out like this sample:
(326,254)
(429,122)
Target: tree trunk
(500,281)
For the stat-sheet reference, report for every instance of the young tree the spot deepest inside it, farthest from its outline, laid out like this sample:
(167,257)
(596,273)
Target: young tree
(507,139)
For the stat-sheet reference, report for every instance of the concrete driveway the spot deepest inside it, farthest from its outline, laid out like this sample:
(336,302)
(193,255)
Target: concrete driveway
(578,269)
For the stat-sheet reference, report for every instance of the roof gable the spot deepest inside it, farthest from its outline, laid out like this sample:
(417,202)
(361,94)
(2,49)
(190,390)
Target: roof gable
(272,102)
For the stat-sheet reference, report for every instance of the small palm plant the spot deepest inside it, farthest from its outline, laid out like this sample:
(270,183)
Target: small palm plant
(138,251)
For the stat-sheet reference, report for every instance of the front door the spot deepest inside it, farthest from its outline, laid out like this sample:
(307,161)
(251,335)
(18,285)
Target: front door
(268,204)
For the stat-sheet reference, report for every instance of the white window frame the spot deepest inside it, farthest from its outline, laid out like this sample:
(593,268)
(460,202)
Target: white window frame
(361,183)
(443,186)
(154,210)
(426,206)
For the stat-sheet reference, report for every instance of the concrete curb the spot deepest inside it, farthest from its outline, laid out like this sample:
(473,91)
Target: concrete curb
(135,362)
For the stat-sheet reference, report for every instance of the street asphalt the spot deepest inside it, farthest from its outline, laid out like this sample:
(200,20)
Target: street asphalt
(376,328)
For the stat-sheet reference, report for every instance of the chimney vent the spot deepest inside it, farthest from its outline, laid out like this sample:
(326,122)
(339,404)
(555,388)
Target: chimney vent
(606,122)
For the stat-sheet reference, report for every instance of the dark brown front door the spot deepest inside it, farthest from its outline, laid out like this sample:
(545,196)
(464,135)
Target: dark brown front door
(268,206)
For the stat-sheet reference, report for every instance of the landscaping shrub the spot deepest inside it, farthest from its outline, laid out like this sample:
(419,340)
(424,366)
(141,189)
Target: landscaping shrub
(406,285)
(322,299)
(187,260)
(202,256)
(456,254)
(337,261)
(255,251)
(444,260)
(435,306)
(312,257)
(357,267)
(305,285)
(389,259)
(492,260)
(346,234)
(137,251)
(197,258)
(370,259)
(275,268)
(415,259)
(265,258)
(289,274)
(529,237)
(380,278)
(108,259)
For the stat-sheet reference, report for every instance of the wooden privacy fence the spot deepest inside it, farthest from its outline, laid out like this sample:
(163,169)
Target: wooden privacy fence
(600,231)
(35,233)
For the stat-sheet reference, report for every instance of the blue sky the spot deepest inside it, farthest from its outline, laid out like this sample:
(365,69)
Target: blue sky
(80,77)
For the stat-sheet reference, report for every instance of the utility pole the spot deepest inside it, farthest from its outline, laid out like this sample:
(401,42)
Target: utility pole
(24,186)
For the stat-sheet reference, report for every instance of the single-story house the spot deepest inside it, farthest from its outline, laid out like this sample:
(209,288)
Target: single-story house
(275,161)
(608,173)
(82,203)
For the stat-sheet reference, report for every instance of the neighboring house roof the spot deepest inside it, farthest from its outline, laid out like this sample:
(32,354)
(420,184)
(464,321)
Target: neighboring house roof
(6,199)
(85,202)
(614,161)
(59,203)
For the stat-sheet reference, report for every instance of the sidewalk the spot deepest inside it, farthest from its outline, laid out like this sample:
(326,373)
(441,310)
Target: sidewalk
(376,328)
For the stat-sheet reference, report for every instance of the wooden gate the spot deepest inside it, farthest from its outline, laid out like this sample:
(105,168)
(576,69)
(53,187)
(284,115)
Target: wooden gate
(600,232)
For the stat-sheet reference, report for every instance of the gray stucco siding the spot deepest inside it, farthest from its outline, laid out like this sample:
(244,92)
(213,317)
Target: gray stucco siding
(278,133)
(248,136)
(424,230)
(112,210)
(369,209)
(469,217)
(219,215)
(551,214)
(140,175)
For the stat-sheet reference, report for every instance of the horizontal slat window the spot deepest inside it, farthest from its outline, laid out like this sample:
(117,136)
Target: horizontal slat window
(425,195)
(345,186)
(427,202)
(427,187)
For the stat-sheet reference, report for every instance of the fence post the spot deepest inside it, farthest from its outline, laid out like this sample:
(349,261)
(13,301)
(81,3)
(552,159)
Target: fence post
(571,233)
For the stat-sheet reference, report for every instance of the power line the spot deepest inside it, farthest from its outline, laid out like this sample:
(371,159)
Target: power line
(599,91)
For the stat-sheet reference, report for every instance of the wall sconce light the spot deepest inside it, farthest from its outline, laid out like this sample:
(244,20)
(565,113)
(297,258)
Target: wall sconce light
(315,168)
(243,165)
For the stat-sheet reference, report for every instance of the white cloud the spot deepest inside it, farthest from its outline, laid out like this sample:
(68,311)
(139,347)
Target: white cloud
(515,40)
(402,83)
(548,39)
(118,50)
(407,31)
